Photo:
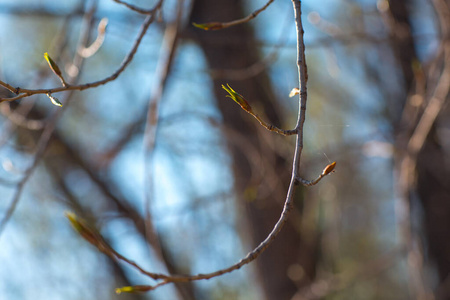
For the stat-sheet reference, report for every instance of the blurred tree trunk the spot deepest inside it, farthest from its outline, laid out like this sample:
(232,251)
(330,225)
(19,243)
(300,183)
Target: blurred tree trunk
(234,49)
(433,187)
(433,173)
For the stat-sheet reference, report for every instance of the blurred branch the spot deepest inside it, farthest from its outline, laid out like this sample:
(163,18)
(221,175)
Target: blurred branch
(95,46)
(141,10)
(257,67)
(421,127)
(219,25)
(165,62)
(127,60)
(327,286)
(248,72)
(21,10)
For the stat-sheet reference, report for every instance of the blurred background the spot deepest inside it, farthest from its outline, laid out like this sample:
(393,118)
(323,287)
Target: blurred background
(195,184)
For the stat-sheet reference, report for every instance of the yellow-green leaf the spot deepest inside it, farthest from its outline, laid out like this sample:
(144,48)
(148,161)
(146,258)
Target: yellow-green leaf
(90,234)
(134,289)
(238,98)
(52,64)
(209,26)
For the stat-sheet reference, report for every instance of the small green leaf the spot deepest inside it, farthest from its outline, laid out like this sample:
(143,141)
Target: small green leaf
(237,98)
(87,233)
(52,64)
(74,221)
(90,234)
(134,289)
(55,100)
(209,26)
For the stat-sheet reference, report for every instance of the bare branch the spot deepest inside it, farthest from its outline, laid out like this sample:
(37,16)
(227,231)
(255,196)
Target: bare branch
(165,62)
(95,46)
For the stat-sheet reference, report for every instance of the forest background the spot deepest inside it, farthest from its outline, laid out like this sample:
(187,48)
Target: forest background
(196,190)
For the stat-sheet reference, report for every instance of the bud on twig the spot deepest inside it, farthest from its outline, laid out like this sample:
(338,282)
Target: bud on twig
(54,67)
(328,169)
(237,98)
(89,234)
(295,91)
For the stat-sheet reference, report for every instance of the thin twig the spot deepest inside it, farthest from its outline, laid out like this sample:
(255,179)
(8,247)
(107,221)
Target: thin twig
(273,128)
(40,149)
(165,63)
(327,286)
(8,87)
(155,276)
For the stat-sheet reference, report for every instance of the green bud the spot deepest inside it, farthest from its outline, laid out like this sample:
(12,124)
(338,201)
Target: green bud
(239,99)
(52,64)
(134,289)
(209,26)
